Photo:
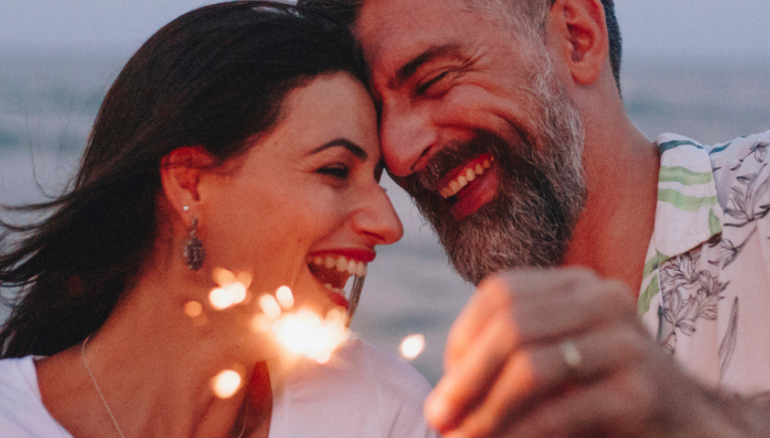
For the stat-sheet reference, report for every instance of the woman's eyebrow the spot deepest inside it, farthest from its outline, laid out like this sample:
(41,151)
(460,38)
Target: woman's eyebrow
(347,144)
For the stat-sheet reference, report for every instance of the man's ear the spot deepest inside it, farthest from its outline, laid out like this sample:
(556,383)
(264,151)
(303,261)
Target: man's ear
(579,29)
(180,173)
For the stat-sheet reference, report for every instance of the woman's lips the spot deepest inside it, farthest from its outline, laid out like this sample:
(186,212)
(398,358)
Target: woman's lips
(338,299)
(333,269)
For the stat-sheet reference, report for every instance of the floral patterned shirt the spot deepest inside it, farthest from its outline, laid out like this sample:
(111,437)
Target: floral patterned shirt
(706,289)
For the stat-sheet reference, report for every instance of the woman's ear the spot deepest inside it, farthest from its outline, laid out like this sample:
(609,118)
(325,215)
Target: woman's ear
(180,173)
(579,28)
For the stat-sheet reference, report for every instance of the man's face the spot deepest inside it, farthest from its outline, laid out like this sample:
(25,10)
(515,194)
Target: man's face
(478,130)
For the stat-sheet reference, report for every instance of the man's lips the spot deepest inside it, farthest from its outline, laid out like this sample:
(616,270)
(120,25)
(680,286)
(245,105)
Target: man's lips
(461,176)
(477,194)
(471,185)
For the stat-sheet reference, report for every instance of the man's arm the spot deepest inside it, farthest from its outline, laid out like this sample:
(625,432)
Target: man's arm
(561,353)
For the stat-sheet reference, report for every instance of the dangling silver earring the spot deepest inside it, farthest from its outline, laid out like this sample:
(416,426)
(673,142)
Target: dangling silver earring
(194,253)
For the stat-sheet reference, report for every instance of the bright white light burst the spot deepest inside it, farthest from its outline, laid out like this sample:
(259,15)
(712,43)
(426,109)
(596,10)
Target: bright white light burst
(270,306)
(226,383)
(285,297)
(306,334)
(303,332)
(231,291)
(412,346)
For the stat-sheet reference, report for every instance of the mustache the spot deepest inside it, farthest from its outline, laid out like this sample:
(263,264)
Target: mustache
(516,158)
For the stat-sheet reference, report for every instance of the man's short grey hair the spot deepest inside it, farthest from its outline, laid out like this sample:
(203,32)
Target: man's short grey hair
(526,15)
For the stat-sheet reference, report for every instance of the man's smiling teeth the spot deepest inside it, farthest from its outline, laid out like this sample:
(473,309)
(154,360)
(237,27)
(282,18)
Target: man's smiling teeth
(341,263)
(465,176)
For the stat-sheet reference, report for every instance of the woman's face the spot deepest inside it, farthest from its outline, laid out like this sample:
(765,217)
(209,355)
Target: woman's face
(303,207)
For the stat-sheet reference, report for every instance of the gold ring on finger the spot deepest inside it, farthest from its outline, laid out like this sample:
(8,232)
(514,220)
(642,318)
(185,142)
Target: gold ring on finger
(571,355)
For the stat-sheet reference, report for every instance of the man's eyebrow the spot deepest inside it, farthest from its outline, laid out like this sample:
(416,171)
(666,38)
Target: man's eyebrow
(354,149)
(407,70)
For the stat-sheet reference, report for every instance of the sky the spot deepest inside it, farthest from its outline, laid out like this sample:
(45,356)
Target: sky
(716,30)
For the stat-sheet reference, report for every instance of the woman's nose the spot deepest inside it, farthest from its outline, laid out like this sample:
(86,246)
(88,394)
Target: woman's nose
(377,218)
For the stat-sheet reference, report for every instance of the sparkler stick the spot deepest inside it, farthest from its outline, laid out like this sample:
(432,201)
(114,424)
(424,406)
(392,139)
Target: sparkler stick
(355,294)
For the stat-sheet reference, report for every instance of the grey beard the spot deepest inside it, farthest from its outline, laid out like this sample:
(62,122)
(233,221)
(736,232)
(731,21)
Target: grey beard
(541,195)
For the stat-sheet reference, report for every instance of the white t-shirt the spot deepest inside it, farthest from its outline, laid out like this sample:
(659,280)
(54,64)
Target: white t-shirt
(363,392)
(22,414)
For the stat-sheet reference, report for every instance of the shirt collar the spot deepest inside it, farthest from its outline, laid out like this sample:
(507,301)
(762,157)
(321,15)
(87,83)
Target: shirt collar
(688,212)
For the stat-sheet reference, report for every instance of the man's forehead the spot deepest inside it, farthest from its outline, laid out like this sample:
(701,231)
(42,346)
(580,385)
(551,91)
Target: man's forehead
(395,32)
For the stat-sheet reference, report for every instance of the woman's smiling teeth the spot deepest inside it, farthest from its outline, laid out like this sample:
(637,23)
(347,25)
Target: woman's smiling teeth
(333,271)
(468,174)
(341,263)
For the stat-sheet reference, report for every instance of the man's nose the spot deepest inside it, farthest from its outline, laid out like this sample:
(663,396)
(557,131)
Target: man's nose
(406,136)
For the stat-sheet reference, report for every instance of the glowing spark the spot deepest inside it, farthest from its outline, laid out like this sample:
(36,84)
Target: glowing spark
(226,383)
(270,306)
(306,334)
(285,297)
(237,292)
(244,278)
(193,309)
(412,346)
(301,332)
(222,277)
(232,288)
(221,298)
(336,314)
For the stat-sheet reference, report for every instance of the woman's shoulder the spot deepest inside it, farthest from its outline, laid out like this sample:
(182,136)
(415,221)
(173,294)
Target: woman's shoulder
(22,413)
(17,375)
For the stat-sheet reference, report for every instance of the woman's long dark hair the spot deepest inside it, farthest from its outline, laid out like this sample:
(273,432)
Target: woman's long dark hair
(214,77)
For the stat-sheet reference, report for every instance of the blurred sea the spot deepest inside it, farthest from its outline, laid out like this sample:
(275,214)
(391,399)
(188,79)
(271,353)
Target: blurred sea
(49,101)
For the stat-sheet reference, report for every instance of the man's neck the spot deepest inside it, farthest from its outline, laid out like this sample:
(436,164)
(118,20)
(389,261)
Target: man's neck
(613,234)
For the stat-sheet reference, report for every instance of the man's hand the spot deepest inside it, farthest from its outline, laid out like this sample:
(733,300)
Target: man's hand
(561,353)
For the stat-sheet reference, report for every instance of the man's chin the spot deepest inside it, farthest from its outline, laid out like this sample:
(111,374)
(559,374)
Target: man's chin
(511,230)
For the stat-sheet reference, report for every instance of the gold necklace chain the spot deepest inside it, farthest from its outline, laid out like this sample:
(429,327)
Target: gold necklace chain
(107,406)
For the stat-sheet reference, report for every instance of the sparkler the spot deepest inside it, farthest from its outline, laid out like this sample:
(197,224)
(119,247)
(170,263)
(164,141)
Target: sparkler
(301,332)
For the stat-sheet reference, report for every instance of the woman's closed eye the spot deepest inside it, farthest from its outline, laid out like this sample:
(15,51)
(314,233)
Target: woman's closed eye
(339,171)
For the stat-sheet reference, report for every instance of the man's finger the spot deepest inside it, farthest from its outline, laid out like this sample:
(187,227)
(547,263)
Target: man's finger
(537,373)
(490,298)
(471,377)
(619,405)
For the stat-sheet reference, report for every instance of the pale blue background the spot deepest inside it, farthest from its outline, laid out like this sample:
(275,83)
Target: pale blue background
(711,29)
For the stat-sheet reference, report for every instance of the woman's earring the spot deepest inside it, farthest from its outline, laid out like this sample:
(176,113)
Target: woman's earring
(194,253)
